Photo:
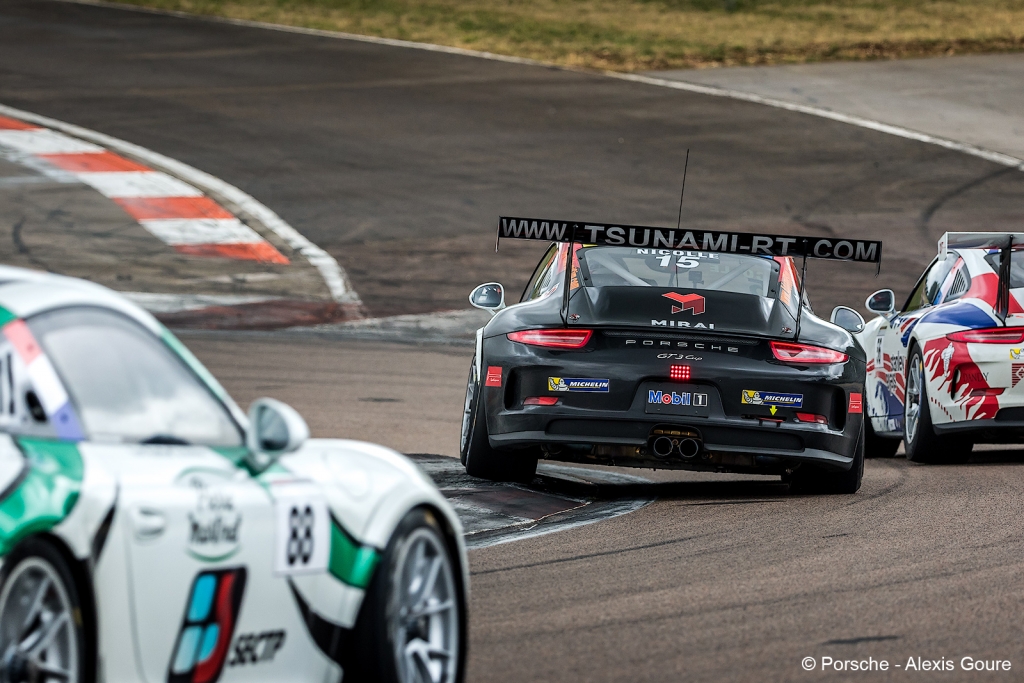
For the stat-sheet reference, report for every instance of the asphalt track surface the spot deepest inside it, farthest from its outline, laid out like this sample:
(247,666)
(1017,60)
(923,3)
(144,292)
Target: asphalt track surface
(397,161)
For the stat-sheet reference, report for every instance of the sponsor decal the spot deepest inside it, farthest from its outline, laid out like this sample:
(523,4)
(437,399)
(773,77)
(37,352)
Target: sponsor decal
(578,384)
(645,236)
(856,404)
(1015,354)
(256,648)
(700,346)
(677,398)
(209,624)
(303,533)
(214,524)
(947,355)
(767,398)
(1016,374)
(493,376)
(682,323)
(687,302)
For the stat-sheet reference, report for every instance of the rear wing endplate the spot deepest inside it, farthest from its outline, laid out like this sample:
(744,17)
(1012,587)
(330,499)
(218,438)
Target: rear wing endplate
(546,230)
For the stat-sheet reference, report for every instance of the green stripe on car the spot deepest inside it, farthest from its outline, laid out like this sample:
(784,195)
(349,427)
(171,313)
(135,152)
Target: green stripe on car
(47,493)
(350,561)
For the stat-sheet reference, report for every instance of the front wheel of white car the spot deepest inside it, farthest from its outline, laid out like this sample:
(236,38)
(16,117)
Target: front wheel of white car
(41,634)
(412,624)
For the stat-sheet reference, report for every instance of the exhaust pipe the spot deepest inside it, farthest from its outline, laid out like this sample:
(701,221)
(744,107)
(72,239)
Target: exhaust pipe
(688,448)
(662,447)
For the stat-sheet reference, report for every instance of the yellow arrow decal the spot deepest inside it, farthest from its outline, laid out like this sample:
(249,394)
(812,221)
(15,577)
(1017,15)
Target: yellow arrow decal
(772,409)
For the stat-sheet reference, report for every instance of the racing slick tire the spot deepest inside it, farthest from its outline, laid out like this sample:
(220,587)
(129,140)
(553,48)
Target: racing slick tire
(475,450)
(813,480)
(412,623)
(920,441)
(876,446)
(41,632)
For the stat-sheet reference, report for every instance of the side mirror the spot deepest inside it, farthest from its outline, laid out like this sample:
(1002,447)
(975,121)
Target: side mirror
(848,319)
(275,428)
(489,296)
(882,302)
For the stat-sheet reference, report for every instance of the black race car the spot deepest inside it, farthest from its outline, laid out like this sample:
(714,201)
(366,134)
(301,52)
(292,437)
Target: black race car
(669,349)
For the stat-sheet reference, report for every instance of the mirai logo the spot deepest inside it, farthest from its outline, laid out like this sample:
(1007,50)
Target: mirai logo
(687,302)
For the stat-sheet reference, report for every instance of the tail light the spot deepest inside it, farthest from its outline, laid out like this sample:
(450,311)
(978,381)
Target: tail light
(989,335)
(805,354)
(679,373)
(812,417)
(540,401)
(554,338)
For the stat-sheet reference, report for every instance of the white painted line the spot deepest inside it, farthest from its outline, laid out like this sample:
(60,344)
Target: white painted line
(137,184)
(175,231)
(862,122)
(239,202)
(44,141)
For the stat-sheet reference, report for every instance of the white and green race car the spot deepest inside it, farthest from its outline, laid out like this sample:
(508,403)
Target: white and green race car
(151,531)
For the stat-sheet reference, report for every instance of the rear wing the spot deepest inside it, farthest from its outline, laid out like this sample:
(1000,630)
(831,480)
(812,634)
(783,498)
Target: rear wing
(1004,242)
(545,230)
(978,240)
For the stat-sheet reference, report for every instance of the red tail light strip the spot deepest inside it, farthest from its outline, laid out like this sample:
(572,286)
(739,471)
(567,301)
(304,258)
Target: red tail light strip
(553,338)
(805,354)
(989,335)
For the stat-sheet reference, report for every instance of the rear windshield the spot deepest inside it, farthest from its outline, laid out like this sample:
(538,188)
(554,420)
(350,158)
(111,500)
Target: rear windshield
(627,266)
(1016,267)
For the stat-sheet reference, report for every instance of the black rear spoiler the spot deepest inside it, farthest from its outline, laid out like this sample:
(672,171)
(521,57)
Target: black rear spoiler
(573,232)
(546,230)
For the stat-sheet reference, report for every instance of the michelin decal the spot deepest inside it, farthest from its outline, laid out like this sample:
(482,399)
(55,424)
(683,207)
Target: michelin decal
(767,398)
(578,384)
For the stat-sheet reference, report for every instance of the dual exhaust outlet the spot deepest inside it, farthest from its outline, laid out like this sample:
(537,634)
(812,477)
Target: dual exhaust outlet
(675,442)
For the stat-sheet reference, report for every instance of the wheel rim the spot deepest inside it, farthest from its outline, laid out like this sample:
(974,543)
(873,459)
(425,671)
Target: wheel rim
(912,401)
(467,413)
(425,625)
(37,632)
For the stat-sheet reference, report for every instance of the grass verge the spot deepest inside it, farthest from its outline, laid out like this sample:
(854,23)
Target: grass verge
(638,35)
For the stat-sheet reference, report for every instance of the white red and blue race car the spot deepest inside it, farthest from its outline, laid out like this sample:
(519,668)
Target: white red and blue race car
(945,370)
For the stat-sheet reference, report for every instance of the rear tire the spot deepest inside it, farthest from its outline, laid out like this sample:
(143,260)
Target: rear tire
(412,623)
(877,446)
(39,603)
(920,441)
(813,480)
(476,453)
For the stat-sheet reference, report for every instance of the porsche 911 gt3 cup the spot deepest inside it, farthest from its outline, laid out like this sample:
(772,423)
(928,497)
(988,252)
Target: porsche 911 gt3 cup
(668,348)
(151,531)
(946,369)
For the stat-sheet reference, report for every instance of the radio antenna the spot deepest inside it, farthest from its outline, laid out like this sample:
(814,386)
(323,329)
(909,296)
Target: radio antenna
(679,221)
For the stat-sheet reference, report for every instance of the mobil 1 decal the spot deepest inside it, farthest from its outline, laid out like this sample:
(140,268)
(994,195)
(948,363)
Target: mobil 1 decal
(211,613)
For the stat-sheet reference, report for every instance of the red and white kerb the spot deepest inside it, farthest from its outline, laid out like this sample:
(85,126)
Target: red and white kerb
(170,209)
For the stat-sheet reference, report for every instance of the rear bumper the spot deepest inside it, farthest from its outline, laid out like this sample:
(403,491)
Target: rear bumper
(740,445)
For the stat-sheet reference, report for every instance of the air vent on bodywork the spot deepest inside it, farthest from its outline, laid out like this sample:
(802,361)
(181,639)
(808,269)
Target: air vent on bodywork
(961,283)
